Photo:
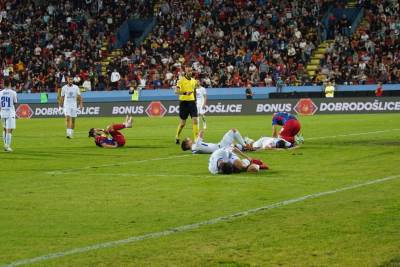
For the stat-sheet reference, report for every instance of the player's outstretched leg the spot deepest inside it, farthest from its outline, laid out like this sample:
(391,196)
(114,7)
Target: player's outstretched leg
(128,121)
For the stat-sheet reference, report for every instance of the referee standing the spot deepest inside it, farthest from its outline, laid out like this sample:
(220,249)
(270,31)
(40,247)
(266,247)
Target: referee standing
(185,89)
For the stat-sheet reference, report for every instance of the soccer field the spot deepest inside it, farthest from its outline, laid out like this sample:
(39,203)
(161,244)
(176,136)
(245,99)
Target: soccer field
(335,201)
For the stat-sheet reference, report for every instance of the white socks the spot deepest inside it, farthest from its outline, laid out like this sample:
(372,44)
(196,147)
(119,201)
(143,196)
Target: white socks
(8,139)
(239,138)
(70,132)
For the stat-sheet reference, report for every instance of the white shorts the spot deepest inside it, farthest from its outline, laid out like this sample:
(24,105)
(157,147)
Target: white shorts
(8,123)
(228,139)
(200,110)
(70,111)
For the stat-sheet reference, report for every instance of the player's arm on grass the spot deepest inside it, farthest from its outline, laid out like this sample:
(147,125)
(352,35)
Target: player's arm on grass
(240,153)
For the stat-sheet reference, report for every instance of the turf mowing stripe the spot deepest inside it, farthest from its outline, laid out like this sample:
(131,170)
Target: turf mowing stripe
(113,164)
(352,134)
(188,227)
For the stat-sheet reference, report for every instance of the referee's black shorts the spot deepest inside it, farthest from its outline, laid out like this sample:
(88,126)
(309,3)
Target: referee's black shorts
(187,108)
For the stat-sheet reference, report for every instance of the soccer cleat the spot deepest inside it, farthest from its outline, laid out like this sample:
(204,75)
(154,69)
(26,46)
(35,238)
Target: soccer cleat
(177,141)
(248,140)
(69,137)
(299,139)
(128,121)
(258,162)
(263,167)
(7,149)
(248,147)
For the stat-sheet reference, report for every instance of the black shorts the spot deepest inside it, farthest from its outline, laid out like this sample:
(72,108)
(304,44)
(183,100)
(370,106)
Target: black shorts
(186,108)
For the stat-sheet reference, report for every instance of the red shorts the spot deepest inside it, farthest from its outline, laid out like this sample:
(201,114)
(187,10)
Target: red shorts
(118,137)
(289,130)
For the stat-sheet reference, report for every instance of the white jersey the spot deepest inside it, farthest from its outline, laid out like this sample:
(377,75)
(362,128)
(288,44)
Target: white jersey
(70,94)
(224,154)
(227,140)
(201,147)
(268,142)
(8,98)
(201,94)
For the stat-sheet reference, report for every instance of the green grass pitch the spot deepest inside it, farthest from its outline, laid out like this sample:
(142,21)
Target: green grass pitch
(58,195)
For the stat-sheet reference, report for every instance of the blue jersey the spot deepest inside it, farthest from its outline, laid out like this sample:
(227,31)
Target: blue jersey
(280,118)
(99,140)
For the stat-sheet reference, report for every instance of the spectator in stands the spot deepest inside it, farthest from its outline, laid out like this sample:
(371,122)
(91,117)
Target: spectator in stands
(279,85)
(329,90)
(115,78)
(379,90)
(249,92)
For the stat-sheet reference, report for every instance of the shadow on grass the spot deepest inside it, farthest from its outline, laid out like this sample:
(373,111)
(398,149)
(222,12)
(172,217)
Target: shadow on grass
(395,262)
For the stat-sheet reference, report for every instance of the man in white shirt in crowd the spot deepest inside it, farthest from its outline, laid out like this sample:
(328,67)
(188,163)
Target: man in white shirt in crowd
(201,101)
(71,97)
(8,98)
(115,77)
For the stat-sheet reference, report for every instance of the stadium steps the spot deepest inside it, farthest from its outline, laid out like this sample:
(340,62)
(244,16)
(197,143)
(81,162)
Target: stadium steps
(351,4)
(115,53)
(156,7)
(315,63)
(108,57)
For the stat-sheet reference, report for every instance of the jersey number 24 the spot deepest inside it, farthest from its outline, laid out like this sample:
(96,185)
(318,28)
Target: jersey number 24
(5,102)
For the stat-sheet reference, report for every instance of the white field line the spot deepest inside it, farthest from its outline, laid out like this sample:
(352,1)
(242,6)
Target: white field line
(188,227)
(351,134)
(58,172)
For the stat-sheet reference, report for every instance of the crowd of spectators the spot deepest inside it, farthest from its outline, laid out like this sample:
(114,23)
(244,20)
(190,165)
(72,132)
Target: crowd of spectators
(230,43)
(41,41)
(372,53)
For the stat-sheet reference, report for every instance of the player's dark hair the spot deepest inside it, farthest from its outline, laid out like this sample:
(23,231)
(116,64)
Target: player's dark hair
(226,168)
(281,144)
(185,145)
(236,169)
(7,82)
(91,132)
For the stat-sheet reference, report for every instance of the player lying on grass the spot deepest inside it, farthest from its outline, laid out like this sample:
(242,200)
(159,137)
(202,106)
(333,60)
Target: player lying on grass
(111,137)
(269,143)
(199,147)
(227,161)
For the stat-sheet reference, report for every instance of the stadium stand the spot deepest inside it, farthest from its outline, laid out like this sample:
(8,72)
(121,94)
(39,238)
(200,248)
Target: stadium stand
(372,53)
(42,40)
(228,43)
